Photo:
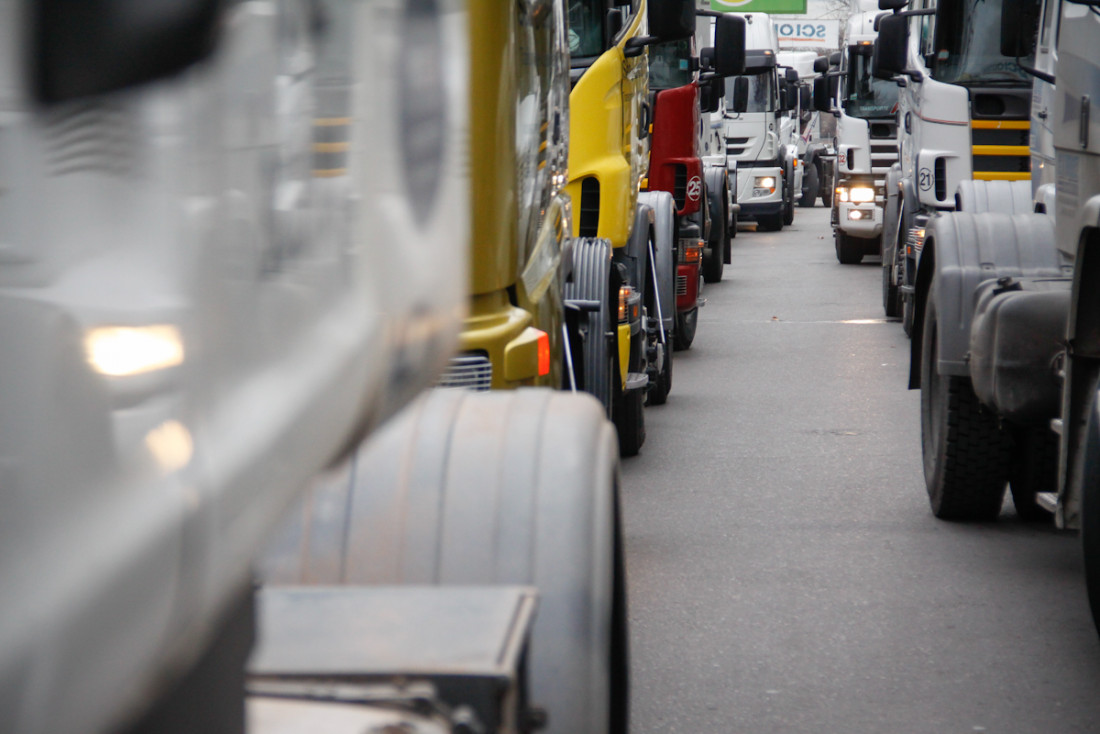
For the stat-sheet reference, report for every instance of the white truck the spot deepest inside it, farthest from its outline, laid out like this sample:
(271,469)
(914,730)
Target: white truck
(213,284)
(1006,348)
(963,115)
(866,144)
(752,115)
(808,136)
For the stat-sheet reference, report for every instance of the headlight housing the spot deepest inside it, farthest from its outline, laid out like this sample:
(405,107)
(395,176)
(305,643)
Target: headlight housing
(765,182)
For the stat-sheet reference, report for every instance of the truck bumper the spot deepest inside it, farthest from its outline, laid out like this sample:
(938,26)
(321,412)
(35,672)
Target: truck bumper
(757,200)
(860,220)
(753,210)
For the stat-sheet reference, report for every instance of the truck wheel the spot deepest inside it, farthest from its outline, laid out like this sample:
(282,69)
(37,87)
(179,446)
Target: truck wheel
(714,256)
(1034,469)
(731,230)
(908,309)
(965,451)
(508,487)
(591,281)
(769,222)
(849,251)
(662,386)
(788,199)
(891,296)
(826,184)
(686,321)
(811,186)
(1090,509)
(629,417)
(891,293)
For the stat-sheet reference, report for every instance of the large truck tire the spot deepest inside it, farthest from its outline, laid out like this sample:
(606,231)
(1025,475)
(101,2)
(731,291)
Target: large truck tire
(966,452)
(686,323)
(591,281)
(825,179)
(849,250)
(714,256)
(629,417)
(1090,509)
(788,194)
(891,295)
(660,300)
(811,186)
(769,222)
(1034,469)
(889,249)
(502,487)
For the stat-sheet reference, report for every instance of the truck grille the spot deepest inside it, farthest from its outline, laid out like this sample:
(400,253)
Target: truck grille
(884,154)
(680,185)
(738,147)
(1000,149)
(470,371)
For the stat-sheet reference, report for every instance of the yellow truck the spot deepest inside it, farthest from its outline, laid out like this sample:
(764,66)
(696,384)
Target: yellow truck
(628,239)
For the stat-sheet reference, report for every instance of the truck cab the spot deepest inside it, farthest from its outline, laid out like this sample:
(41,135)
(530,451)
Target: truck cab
(963,115)
(866,132)
(752,114)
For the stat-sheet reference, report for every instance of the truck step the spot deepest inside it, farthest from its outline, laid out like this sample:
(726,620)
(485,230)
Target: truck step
(1056,425)
(1047,500)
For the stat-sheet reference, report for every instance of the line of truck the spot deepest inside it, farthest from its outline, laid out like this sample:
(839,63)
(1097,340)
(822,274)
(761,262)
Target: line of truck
(241,237)
(987,223)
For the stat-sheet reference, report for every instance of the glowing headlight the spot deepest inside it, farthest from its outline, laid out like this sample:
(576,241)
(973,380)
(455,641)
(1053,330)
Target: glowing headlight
(862,194)
(765,182)
(842,194)
(121,351)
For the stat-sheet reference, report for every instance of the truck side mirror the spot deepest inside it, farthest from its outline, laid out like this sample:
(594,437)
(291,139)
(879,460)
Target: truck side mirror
(804,97)
(671,20)
(1019,19)
(821,65)
(80,49)
(791,75)
(711,93)
(729,45)
(740,94)
(890,47)
(892,5)
(823,99)
(791,98)
(834,60)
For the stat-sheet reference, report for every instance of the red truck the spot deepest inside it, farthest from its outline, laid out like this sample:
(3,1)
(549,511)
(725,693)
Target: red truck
(681,89)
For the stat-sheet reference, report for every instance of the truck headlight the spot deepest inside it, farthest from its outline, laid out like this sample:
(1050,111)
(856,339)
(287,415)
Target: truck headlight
(842,194)
(862,194)
(765,182)
(121,351)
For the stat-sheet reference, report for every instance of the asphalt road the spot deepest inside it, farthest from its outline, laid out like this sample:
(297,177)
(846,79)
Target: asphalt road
(786,573)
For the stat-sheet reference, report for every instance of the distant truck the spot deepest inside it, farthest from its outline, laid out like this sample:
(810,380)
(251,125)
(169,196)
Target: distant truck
(814,141)
(963,115)
(866,132)
(753,110)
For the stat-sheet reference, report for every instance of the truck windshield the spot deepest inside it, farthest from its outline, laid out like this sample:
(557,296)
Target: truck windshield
(670,64)
(586,19)
(761,93)
(864,95)
(968,44)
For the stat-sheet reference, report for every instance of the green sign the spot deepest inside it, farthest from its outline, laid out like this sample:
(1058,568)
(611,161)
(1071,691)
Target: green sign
(759,6)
